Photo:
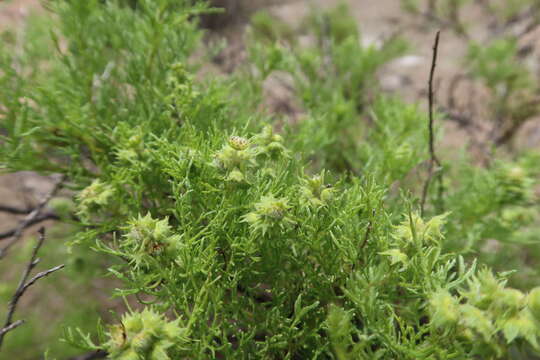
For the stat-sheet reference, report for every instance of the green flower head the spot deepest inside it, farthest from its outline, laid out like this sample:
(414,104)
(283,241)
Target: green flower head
(270,144)
(316,192)
(145,335)
(147,237)
(93,197)
(235,158)
(269,211)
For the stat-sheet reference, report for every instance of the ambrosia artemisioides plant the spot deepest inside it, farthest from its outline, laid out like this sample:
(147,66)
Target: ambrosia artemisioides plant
(236,245)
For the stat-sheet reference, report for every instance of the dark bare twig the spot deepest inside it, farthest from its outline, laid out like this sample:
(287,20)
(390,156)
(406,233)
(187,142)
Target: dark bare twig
(434,160)
(30,219)
(431,101)
(11,327)
(42,275)
(14,210)
(9,233)
(24,284)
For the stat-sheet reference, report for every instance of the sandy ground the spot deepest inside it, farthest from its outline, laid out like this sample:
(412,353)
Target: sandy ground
(14,12)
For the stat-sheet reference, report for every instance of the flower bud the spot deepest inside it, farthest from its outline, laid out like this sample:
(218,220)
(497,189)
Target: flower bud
(444,308)
(269,211)
(144,335)
(238,142)
(142,342)
(236,175)
(327,194)
(508,300)
(520,325)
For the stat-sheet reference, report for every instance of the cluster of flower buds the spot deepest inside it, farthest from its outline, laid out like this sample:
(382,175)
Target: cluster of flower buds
(93,197)
(240,154)
(132,149)
(514,184)
(444,308)
(270,144)
(269,211)
(413,227)
(235,158)
(411,233)
(145,335)
(316,192)
(487,307)
(148,237)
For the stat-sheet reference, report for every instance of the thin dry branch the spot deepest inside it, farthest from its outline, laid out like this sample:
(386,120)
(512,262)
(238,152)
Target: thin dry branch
(31,218)
(39,219)
(14,210)
(433,160)
(431,100)
(24,284)
(10,327)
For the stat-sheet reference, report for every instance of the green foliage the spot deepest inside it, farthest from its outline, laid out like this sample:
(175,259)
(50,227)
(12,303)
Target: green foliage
(242,241)
(445,12)
(335,87)
(508,10)
(448,13)
(512,90)
(487,311)
(497,65)
(494,210)
(495,214)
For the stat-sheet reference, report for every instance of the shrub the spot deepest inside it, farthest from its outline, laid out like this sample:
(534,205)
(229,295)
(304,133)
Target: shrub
(236,244)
